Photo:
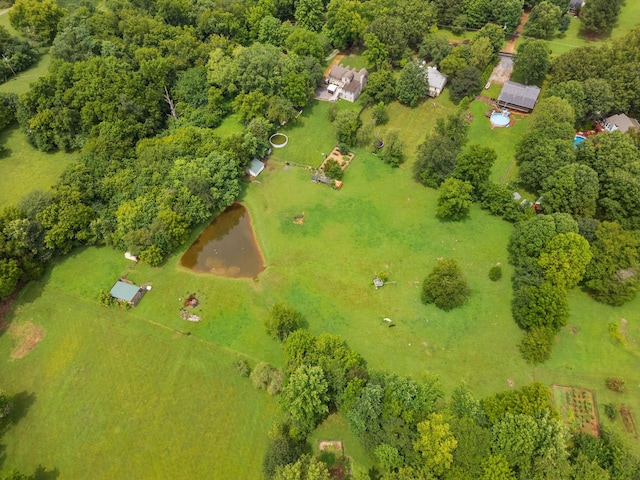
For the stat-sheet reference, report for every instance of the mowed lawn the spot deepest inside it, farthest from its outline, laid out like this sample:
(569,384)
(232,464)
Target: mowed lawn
(575,36)
(413,124)
(311,135)
(23,168)
(503,140)
(139,399)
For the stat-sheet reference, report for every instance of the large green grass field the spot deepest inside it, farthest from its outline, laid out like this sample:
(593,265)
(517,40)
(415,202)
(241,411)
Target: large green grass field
(145,394)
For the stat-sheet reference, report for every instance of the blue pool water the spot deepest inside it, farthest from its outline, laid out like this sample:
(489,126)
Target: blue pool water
(577,140)
(499,119)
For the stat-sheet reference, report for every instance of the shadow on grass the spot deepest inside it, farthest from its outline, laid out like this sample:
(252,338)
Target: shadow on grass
(42,473)
(21,402)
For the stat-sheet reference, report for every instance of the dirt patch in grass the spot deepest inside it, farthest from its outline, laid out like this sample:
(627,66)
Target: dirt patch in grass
(628,420)
(27,336)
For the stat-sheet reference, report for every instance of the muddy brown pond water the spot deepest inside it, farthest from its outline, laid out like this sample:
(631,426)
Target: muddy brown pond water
(227,247)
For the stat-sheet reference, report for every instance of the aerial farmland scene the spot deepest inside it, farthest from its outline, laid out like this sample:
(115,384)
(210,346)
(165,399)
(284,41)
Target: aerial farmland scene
(320,239)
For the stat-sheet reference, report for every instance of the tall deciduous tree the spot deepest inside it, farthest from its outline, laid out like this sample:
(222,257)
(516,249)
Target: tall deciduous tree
(435,443)
(445,286)
(305,398)
(564,259)
(532,61)
(282,321)
(306,468)
(545,306)
(436,156)
(612,275)
(474,165)
(466,83)
(455,199)
(543,21)
(506,13)
(412,84)
(496,467)
(435,47)
(310,14)
(38,19)
(388,30)
(600,16)
(345,25)
(571,189)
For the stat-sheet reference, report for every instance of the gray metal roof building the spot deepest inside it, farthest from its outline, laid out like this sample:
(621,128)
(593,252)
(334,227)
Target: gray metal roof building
(127,292)
(517,96)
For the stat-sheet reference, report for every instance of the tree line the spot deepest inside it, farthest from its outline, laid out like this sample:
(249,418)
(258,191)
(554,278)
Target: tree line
(412,429)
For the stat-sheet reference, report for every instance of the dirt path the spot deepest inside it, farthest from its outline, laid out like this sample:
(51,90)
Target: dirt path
(2,12)
(511,44)
(336,61)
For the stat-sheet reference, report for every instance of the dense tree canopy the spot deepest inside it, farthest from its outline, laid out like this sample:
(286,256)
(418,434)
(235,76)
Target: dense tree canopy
(532,61)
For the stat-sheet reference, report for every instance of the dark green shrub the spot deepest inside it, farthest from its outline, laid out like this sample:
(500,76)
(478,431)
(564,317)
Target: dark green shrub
(106,300)
(611,411)
(343,148)
(495,273)
(383,275)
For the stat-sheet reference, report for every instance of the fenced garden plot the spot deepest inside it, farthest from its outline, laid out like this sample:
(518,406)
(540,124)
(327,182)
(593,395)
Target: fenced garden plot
(577,407)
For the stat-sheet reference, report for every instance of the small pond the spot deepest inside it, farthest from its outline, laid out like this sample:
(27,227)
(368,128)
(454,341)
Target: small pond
(227,247)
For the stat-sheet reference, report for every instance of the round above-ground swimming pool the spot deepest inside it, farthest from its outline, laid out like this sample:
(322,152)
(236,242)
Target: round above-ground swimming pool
(578,139)
(278,140)
(499,119)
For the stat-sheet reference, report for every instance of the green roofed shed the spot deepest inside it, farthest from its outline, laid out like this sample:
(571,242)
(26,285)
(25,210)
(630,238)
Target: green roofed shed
(127,292)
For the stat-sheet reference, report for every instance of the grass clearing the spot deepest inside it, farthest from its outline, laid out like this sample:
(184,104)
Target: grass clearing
(230,125)
(413,124)
(503,140)
(575,36)
(355,60)
(336,428)
(25,169)
(310,149)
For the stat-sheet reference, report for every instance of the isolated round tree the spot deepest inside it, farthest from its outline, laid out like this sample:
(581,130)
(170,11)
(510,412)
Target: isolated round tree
(282,320)
(445,286)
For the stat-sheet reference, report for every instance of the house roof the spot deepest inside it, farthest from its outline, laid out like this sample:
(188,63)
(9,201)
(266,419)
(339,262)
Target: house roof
(518,94)
(575,4)
(622,122)
(255,167)
(436,79)
(124,291)
(338,72)
(352,86)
